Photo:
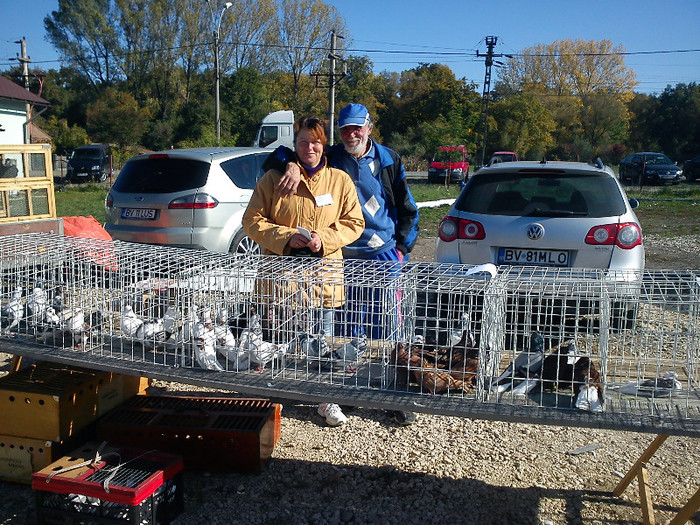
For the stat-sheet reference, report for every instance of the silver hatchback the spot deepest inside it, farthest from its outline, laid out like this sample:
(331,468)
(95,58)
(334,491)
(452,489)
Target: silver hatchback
(190,198)
(555,214)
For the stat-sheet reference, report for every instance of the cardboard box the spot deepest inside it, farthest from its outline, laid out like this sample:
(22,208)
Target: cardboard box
(52,402)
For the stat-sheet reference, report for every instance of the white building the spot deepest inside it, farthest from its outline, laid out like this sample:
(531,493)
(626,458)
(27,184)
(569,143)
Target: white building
(17,105)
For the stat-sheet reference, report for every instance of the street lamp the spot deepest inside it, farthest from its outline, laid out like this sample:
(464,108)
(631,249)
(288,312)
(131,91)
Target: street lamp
(217,109)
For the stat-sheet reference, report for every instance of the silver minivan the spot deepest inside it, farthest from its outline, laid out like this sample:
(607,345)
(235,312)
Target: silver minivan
(189,198)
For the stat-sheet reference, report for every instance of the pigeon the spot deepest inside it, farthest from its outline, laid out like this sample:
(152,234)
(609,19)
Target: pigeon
(588,399)
(73,321)
(318,346)
(667,385)
(204,346)
(351,352)
(129,322)
(527,365)
(52,323)
(151,334)
(462,336)
(170,321)
(264,353)
(12,312)
(251,337)
(226,342)
(37,302)
(566,368)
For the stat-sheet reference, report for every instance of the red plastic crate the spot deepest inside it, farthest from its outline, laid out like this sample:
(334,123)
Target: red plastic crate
(116,485)
(211,433)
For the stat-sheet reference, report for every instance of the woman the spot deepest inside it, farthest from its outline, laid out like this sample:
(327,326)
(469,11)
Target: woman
(327,210)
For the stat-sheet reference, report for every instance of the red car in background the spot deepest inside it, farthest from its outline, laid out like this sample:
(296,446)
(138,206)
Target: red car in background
(450,163)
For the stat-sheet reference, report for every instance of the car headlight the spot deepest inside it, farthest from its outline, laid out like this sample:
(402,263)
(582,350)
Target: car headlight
(95,167)
(457,170)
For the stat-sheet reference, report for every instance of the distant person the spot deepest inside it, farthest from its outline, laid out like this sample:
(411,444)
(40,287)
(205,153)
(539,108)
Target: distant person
(390,213)
(9,169)
(326,205)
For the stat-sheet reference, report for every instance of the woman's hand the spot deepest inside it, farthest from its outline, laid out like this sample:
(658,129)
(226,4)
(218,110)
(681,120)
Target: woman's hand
(298,241)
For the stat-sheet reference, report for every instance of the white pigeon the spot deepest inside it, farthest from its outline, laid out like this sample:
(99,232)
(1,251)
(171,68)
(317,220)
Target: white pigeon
(73,321)
(129,322)
(262,354)
(462,335)
(204,347)
(37,302)
(588,399)
(225,340)
(151,333)
(12,312)
(251,338)
(525,366)
(52,323)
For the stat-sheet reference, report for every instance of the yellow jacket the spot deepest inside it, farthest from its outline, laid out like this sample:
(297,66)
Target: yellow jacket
(326,204)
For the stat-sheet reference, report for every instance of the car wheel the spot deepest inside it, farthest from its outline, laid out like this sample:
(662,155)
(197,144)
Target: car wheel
(243,245)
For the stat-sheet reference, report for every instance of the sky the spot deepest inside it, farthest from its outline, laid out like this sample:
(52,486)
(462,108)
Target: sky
(661,37)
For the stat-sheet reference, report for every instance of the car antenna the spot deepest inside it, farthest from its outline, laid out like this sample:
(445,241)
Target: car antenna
(544,160)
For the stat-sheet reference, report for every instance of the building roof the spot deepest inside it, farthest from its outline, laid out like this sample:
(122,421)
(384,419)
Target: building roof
(10,90)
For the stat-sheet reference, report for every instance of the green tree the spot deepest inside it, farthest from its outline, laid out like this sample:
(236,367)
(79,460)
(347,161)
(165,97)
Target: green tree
(116,118)
(65,137)
(677,126)
(83,33)
(523,125)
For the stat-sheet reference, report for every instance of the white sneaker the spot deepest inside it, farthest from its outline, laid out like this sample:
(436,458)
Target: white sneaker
(333,414)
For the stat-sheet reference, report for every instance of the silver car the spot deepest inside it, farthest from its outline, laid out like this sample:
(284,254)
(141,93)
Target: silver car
(190,198)
(553,216)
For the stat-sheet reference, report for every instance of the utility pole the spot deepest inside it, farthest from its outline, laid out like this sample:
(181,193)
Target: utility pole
(24,60)
(333,79)
(486,95)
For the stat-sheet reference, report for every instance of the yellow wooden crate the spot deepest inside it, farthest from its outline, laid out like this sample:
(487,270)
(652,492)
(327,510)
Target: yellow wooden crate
(51,401)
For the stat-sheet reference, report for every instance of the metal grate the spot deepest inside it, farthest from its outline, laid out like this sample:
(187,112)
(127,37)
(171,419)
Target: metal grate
(573,346)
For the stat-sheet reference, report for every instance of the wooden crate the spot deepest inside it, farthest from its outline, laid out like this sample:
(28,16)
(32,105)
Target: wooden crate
(211,433)
(52,402)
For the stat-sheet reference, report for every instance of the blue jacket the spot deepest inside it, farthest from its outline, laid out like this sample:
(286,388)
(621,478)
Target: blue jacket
(396,223)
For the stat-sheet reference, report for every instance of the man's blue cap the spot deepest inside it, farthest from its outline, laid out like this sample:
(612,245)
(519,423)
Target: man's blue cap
(353,115)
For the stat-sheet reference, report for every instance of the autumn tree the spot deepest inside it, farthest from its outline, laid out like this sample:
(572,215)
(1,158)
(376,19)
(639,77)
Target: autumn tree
(521,123)
(585,86)
(116,118)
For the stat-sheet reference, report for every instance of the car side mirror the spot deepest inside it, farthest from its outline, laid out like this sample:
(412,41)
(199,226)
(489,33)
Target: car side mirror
(634,203)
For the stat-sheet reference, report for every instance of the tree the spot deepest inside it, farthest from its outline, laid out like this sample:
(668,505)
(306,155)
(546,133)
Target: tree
(677,123)
(304,36)
(83,33)
(584,85)
(249,34)
(522,124)
(116,118)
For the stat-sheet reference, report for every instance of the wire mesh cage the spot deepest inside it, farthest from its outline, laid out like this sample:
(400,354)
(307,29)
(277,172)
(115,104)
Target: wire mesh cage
(591,344)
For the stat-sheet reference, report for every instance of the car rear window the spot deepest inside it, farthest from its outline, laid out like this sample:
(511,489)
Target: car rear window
(245,171)
(539,194)
(161,175)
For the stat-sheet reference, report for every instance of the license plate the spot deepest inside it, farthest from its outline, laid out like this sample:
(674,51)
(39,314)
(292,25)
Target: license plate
(533,257)
(138,213)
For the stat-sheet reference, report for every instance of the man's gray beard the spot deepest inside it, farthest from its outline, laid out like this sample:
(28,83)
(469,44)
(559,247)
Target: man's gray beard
(357,150)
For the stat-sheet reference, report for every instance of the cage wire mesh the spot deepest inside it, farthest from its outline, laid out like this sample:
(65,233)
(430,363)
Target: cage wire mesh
(583,341)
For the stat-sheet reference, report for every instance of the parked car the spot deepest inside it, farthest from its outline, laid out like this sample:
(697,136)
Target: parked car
(503,156)
(92,162)
(654,168)
(691,169)
(559,215)
(452,161)
(191,198)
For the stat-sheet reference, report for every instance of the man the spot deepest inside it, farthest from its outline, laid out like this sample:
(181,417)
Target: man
(390,212)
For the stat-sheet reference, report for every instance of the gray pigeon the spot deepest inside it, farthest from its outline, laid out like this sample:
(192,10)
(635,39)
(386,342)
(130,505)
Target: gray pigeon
(351,352)
(527,366)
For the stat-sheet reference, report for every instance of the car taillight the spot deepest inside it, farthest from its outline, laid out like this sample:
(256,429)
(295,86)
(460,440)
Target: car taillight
(626,235)
(109,201)
(452,228)
(199,201)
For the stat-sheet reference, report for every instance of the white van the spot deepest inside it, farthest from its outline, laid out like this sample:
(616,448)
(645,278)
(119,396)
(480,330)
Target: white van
(276,129)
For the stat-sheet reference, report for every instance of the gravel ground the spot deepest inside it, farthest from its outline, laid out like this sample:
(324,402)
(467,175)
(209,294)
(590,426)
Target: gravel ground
(438,470)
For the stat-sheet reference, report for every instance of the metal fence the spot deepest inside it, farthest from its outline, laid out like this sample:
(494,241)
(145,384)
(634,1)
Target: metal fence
(553,346)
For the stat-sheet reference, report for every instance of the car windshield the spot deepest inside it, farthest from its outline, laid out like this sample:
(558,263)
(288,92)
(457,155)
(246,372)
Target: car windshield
(86,154)
(161,175)
(542,195)
(658,159)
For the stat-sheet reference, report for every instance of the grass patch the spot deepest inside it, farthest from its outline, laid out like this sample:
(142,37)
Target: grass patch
(82,200)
